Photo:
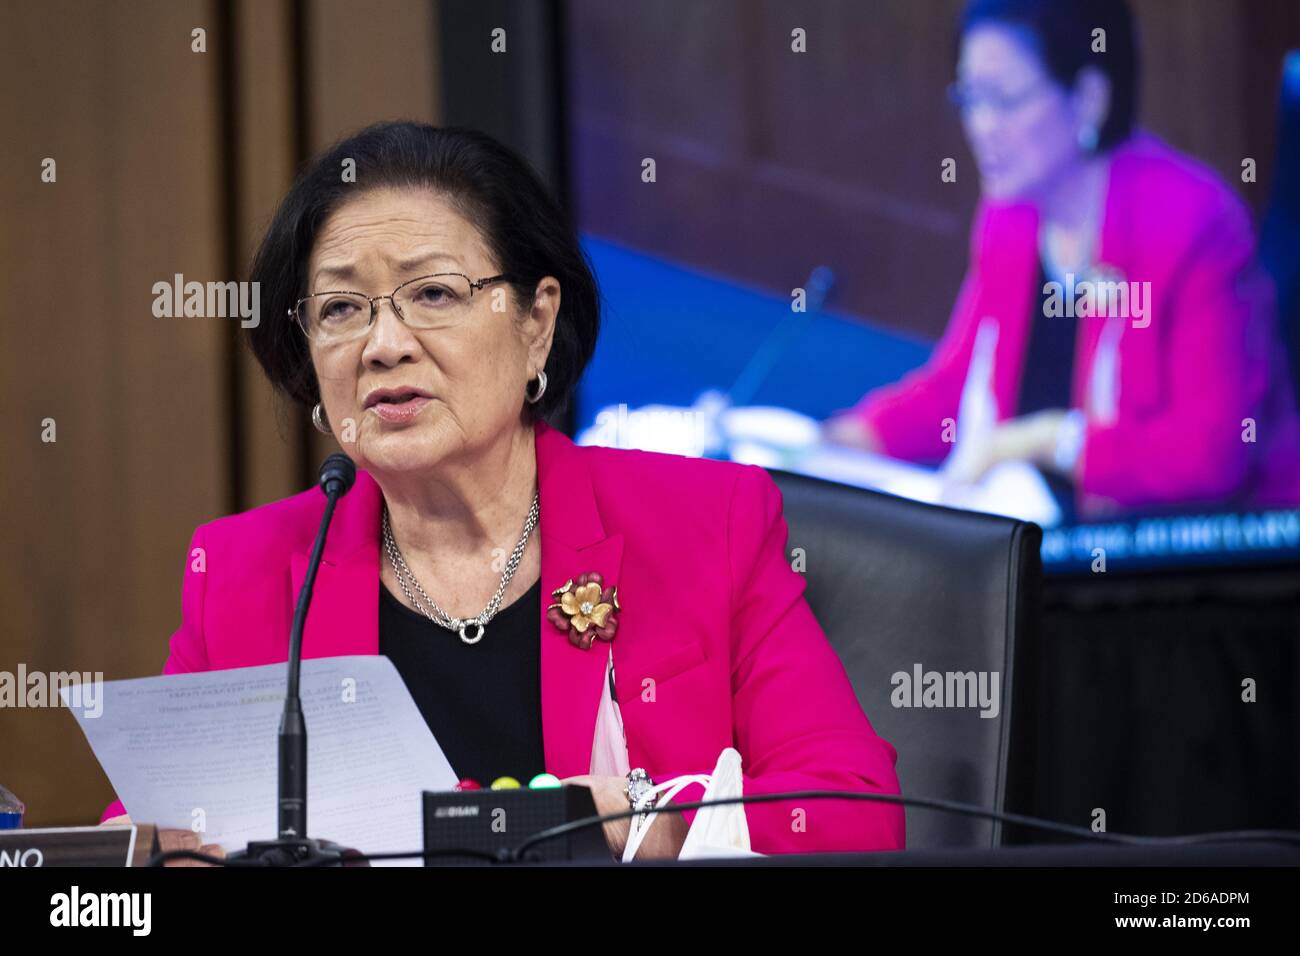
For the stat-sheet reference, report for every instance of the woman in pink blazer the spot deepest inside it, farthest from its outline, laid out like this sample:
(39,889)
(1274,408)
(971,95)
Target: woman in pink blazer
(1169,389)
(439,391)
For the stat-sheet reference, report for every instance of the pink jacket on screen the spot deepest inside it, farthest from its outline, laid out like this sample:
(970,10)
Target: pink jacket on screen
(1179,388)
(712,614)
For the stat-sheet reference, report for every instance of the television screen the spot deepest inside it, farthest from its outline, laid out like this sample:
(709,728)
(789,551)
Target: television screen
(971,269)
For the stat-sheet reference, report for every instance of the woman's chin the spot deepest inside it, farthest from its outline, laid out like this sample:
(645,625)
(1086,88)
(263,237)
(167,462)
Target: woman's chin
(1002,188)
(413,448)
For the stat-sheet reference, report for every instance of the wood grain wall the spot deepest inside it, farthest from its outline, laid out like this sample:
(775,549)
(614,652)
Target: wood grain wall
(168,161)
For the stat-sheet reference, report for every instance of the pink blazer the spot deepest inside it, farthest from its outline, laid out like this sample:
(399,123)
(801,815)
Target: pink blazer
(1180,387)
(716,645)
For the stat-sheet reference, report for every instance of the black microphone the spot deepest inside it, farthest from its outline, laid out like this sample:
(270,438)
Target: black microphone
(337,476)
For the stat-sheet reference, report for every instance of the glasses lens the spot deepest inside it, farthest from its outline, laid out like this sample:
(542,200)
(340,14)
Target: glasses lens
(334,316)
(434,302)
(1000,102)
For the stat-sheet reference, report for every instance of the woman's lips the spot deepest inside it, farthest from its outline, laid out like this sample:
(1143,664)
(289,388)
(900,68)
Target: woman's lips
(399,412)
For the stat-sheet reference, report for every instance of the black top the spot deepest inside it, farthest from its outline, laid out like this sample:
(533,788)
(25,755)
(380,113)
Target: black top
(1049,358)
(482,701)
(1047,373)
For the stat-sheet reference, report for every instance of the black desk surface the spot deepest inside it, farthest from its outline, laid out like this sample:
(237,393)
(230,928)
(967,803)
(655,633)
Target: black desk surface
(1210,854)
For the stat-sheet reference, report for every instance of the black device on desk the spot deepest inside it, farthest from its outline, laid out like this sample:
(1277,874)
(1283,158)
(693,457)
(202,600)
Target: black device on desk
(492,821)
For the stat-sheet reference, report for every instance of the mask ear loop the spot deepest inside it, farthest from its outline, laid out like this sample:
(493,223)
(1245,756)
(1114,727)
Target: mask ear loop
(669,788)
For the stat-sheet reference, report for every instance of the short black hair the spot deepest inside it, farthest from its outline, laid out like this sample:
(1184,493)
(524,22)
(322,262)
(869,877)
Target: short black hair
(522,224)
(1061,31)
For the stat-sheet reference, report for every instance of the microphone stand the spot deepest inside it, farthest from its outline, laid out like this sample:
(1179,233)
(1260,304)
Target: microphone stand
(293,846)
(765,357)
(714,403)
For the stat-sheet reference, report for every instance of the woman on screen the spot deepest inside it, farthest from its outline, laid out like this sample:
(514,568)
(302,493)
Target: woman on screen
(1113,327)
(430,316)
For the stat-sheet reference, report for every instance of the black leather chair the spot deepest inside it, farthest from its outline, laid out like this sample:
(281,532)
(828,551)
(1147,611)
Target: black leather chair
(896,584)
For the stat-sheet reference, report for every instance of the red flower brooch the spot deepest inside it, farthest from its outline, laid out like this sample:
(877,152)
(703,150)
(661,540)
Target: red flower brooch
(585,609)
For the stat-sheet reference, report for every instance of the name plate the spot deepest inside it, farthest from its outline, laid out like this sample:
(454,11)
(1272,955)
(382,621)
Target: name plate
(127,845)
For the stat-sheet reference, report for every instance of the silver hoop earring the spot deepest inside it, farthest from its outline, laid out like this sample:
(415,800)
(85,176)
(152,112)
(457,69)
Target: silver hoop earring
(318,419)
(541,388)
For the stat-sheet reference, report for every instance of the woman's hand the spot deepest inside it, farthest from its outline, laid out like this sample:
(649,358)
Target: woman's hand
(1031,438)
(662,842)
(174,840)
(851,431)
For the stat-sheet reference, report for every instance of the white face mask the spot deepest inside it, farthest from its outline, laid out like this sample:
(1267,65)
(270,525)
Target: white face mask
(716,831)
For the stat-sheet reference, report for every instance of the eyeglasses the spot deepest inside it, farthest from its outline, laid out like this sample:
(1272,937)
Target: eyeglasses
(438,301)
(968,98)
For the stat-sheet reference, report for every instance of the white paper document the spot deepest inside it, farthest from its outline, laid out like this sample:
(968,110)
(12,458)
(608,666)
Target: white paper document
(202,747)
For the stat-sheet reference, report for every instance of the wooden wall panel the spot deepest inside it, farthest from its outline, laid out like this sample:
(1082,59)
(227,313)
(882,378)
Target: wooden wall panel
(771,162)
(1193,85)
(369,64)
(95,525)
(271,438)
(168,161)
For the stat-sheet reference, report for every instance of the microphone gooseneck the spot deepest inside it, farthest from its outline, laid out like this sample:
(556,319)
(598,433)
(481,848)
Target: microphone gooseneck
(337,475)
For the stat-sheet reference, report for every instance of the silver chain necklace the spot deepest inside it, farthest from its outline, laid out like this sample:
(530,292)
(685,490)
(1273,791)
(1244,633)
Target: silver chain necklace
(429,608)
